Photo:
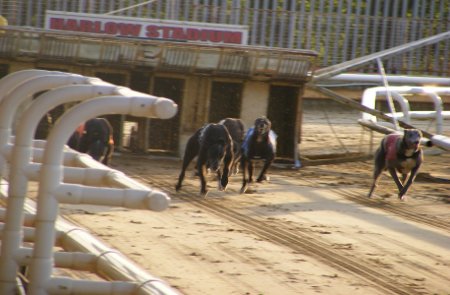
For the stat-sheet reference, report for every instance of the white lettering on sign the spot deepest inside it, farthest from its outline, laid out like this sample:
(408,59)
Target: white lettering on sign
(146,28)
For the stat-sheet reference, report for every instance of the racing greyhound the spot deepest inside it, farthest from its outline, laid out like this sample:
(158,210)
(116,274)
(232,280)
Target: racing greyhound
(213,147)
(260,143)
(401,153)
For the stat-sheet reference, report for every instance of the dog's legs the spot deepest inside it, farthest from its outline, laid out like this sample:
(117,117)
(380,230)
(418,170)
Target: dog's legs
(244,164)
(379,165)
(406,186)
(376,176)
(109,152)
(227,166)
(201,169)
(394,175)
(186,160)
(219,180)
(250,167)
(374,185)
(190,152)
(262,174)
(235,167)
(234,170)
(404,177)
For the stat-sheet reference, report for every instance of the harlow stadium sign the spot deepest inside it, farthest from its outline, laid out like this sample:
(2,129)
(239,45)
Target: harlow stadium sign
(147,28)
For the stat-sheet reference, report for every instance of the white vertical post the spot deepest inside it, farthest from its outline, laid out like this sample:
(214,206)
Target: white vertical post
(20,158)
(51,172)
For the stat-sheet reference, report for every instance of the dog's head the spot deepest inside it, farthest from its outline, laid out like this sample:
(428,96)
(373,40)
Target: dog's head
(262,125)
(215,156)
(215,138)
(412,138)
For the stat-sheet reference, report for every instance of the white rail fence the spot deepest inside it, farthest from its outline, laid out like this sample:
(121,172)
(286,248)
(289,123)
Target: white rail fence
(65,176)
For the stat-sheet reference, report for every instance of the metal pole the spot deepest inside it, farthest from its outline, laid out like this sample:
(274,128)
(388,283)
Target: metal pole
(334,70)
(388,93)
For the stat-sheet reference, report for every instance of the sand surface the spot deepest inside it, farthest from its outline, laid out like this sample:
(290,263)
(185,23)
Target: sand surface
(306,231)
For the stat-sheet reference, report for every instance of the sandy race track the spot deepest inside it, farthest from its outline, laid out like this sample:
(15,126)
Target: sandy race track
(307,231)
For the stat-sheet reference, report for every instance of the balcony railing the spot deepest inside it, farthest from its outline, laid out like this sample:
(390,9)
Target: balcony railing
(83,48)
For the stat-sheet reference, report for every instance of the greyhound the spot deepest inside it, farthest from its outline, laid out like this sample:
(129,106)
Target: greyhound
(213,147)
(259,144)
(237,131)
(401,153)
(95,138)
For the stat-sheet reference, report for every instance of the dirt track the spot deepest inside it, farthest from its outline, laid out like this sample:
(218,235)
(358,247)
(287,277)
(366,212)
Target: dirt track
(306,231)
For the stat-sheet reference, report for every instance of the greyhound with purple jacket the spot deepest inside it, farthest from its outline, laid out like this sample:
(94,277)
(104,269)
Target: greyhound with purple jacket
(259,144)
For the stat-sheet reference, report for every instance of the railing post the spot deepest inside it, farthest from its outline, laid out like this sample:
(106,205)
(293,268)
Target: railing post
(20,158)
(51,172)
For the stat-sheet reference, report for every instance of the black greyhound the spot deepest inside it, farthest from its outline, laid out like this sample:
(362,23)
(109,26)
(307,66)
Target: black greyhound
(95,138)
(237,131)
(399,153)
(213,147)
(259,144)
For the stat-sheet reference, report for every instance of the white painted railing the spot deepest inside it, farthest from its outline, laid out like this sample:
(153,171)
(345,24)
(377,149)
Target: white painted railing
(438,114)
(99,98)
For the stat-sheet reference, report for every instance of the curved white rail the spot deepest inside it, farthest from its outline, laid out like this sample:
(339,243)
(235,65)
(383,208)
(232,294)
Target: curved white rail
(21,170)
(21,94)
(370,96)
(51,178)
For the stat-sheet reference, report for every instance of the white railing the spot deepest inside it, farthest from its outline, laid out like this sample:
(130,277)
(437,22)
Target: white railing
(438,115)
(97,98)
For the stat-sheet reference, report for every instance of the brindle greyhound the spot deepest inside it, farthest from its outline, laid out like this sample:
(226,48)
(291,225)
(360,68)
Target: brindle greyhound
(259,144)
(213,147)
(399,153)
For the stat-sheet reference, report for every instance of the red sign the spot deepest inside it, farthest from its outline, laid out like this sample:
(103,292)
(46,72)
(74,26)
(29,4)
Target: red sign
(146,28)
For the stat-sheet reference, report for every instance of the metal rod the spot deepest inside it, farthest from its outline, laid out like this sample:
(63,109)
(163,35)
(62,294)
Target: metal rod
(334,70)
(388,93)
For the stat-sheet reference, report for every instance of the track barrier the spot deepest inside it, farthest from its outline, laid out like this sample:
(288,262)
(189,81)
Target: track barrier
(66,176)
(398,93)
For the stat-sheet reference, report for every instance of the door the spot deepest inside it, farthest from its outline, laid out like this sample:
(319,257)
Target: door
(115,120)
(164,133)
(282,111)
(225,101)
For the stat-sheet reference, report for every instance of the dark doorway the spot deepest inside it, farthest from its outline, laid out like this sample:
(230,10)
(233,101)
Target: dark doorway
(282,111)
(4,70)
(164,133)
(115,120)
(114,78)
(135,128)
(140,81)
(225,101)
